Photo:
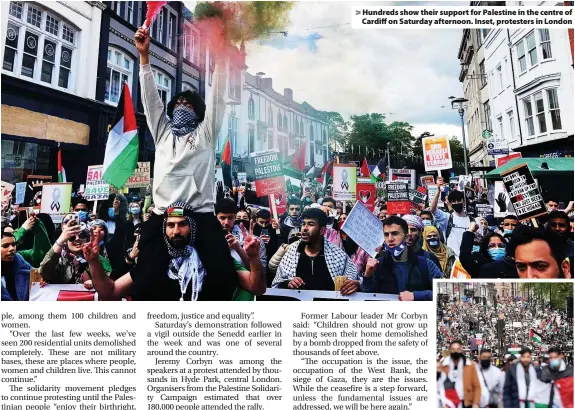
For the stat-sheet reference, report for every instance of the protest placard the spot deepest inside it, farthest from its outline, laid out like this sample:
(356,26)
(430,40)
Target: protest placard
(281,202)
(7,189)
(56,199)
(242,177)
(431,191)
(344,182)
(363,227)
(502,204)
(417,197)
(483,210)
(436,153)
(504,160)
(464,181)
(268,172)
(34,189)
(457,272)
(141,176)
(96,188)
(403,175)
(524,193)
(398,198)
(426,180)
(20,192)
(470,201)
(366,194)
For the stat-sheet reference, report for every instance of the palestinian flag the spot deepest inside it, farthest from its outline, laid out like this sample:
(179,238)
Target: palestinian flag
(61,170)
(298,161)
(325,173)
(364,172)
(561,398)
(535,336)
(378,173)
(121,158)
(226,162)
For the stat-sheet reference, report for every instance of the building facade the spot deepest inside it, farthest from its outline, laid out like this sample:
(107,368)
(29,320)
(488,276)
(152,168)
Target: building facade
(49,71)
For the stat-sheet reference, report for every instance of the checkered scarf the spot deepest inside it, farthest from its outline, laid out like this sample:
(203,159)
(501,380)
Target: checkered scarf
(184,122)
(338,263)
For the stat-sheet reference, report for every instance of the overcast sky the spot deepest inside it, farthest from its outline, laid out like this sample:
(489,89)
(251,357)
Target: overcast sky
(408,73)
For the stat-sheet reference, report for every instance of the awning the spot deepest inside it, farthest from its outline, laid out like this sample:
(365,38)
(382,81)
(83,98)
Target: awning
(537,166)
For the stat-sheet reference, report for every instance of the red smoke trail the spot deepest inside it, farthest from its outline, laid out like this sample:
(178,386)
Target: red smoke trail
(154,8)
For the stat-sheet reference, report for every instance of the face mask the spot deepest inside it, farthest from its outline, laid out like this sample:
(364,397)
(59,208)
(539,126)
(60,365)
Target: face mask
(82,216)
(135,210)
(426,222)
(475,248)
(397,251)
(184,120)
(491,228)
(554,363)
(111,213)
(434,243)
(457,207)
(456,356)
(497,253)
(507,232)
(485,364)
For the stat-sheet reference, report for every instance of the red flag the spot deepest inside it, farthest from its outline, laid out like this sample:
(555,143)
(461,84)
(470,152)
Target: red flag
(154,7)
(227,152)
(298,161)
(326,171)
(364,172)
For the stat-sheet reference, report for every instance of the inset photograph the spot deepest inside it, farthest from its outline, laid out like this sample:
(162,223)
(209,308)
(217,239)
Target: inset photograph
(504,344)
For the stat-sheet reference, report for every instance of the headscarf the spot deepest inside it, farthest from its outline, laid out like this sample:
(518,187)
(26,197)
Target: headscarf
(100,223)
(185,264)
(414,220)
(77,262)
(440,251)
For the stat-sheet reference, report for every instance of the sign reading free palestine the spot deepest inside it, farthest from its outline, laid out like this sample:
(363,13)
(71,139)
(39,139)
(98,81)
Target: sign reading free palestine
(268,172)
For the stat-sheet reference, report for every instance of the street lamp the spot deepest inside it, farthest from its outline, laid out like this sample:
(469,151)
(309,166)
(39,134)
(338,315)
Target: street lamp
(458,103)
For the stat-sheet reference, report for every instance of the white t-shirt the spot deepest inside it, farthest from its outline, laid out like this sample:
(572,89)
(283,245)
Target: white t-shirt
(460,225)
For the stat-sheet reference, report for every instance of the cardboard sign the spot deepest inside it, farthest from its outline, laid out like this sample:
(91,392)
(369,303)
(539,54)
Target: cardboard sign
(404,175)
(524,193)
(141,176)
(469,195)
(504,160)
(464,181)
(20,192)
(436,153)
(366,194)
(7,189)
(398,199)
(363,227)
(56,198)
(344,182)
(281,202)
(483,210)
(501,203)
(34,189)
(268,172)
(426,180)
(96,188)
(417,197)
(457,272)
(431,191)
(242,177)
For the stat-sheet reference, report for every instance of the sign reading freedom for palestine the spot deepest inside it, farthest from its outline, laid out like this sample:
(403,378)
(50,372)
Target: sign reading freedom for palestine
(523,192)
(268,172)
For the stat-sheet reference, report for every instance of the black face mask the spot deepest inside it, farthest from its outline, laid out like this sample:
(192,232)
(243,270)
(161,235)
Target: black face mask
(485,364)
(457,207)
(456,356)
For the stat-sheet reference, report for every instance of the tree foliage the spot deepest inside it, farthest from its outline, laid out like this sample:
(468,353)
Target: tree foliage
(555,293)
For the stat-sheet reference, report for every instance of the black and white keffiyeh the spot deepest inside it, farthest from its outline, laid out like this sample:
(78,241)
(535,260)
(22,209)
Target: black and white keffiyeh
(184,122)
(338,263)
(185,264)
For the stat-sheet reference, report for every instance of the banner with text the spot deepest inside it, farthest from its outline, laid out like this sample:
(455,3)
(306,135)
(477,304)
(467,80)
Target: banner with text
(268,172)
(96,188)
(141,176)
(56,198)
(403,175)
(524,193)
(398,202)
(436,153)
(344,182)
(366,194)
(364,228)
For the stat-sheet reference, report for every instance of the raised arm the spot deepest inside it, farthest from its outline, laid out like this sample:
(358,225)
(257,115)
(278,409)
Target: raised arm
(253,281)
(215,105)
(153,105)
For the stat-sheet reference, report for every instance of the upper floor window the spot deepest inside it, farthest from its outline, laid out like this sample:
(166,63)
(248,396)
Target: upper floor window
(251,108)
(39,45)
(172,26)
(191,44)
(527,51)
(285,122)
(119,71)
(270,117)
(482,73)
(301,127)
(235,83)
(164,84)
(130,11)
(324,135)
(545,43)
(279,121)
(311,132)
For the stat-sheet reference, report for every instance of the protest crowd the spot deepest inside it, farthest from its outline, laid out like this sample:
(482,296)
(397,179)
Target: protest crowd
(506,352)
(189,238)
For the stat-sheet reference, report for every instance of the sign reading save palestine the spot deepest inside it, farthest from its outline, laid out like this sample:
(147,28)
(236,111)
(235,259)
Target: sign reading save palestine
(268,172)
(121,158)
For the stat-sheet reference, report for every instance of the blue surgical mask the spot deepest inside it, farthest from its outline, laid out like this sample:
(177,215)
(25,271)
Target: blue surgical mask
(475,248)
(135,210)
(434,243)
(497,253)
(83,216)
(397,251)
(492,228)
(427,222)
(554,363)
(111,213)
(507,232)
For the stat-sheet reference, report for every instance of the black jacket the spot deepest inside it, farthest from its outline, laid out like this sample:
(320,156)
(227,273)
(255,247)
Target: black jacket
(479,266)
(510,389)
